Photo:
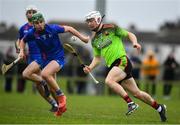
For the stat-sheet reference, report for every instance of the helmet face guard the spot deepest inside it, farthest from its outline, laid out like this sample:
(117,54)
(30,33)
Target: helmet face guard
(31,9)
(38,22)
(94,15)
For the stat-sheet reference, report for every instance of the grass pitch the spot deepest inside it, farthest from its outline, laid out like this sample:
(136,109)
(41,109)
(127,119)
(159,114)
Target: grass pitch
(29,108)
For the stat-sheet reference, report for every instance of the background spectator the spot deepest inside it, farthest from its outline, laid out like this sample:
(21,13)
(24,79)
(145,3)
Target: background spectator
(20,80)
(9,57)
(150,71)
(136,62)
(170,65)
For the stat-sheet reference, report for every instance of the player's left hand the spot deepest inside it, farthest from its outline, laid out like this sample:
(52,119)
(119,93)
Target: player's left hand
(137,46)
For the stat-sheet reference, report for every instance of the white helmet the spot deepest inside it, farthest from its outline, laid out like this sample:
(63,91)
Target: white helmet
(94,15)
(31,7)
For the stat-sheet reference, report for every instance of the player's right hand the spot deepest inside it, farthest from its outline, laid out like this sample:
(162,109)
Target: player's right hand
(87,69)
(137,46)
(17,47)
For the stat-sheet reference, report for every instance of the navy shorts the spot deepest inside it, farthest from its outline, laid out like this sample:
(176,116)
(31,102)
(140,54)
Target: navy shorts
(37,58)
(56,57)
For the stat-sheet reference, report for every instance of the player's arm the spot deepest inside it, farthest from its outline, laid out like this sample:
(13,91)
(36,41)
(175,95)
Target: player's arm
(17,43)
(134,41)
(76,33)
(17,46)
(22,49)
(95,62)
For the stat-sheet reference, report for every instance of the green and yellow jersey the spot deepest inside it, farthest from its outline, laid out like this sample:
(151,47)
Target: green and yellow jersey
(108,43)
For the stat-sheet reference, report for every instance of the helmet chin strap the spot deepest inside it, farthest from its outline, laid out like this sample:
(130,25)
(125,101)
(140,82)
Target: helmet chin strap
(97,28)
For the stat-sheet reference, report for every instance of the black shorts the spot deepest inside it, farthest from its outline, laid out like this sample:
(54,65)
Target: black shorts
(125,64)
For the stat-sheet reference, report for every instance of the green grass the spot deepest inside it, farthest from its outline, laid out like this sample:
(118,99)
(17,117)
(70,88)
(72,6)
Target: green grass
(30,108)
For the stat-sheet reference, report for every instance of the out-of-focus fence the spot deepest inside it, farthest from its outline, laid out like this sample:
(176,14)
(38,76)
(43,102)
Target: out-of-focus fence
(82,85)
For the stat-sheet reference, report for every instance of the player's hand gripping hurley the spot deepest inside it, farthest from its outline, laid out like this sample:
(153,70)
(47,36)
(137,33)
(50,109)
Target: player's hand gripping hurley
(70,49)
(5,67)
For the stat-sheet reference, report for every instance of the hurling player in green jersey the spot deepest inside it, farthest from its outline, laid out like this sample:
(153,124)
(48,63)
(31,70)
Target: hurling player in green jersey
(107,43)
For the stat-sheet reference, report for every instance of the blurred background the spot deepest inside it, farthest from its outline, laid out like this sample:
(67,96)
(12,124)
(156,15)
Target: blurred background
(156,24)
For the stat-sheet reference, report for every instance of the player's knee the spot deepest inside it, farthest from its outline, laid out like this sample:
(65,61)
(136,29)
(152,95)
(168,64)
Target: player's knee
(44,75)
(25,74)
(108,80)
(137,94)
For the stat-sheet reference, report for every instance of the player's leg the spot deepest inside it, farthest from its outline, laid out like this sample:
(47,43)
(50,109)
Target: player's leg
(117,74)
(114,75)
(49,99)
(48,74)
(32,72)
(53,93)
(131,86)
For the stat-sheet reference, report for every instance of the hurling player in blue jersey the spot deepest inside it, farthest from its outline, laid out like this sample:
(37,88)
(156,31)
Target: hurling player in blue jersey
(32,71)
(46,36)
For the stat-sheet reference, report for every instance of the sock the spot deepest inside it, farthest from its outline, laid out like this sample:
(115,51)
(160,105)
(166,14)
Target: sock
(59,92)
(155,105)
(46,89)
(43,83)
(127,99)
(53,103)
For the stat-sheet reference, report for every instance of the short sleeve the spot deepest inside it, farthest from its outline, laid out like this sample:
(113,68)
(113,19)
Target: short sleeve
(121,32)
(21,34)
(28,37)
(58,28)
